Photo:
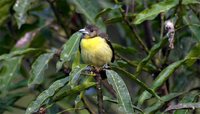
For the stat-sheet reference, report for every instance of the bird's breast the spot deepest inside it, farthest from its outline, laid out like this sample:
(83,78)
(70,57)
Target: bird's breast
(95,51)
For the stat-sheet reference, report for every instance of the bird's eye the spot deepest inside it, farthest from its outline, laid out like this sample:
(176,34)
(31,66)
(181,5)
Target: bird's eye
(91,30)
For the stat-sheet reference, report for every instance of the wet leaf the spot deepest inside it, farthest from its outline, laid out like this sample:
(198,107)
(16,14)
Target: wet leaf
(8,72)
(75,74)
(154,10)
(139,82)
(21,7)
(35,105)
(38,68)
(123,96)
(69,50)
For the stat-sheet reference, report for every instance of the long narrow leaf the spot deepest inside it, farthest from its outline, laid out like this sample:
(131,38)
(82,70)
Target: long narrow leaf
(8,71)
(154,10)
(17,53)
(139,82)
(162,77)
(38,68)
(159,104)
(123,95)
(69,50)
(75,74)
(35,105)
(74,90)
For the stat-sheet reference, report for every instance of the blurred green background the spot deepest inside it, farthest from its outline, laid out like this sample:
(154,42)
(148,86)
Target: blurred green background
(39,47)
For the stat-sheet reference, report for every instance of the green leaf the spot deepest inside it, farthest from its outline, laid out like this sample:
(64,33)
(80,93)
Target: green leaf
(35,105)
(123,95)
(90,8)
(151,54)
(161,78)
(77,60)
(9,100)
(159,104)
(154,10)
(168,71)
(17,53)
(194,53)
(69,50)
(5,10)
(191,18)
(134,78)
(74,90)
(38,68)
(75,74)
(21,7)
(8,71)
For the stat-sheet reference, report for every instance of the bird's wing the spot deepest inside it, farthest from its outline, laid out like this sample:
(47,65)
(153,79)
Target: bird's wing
(105,36)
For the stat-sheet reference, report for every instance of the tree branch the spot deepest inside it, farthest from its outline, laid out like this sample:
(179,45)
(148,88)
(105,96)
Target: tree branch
(99,94)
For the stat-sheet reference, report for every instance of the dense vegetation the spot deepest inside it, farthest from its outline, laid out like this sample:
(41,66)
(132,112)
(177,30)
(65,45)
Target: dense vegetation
(157,49)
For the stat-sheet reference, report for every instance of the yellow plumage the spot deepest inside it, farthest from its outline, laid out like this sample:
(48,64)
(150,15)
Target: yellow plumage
(95,51)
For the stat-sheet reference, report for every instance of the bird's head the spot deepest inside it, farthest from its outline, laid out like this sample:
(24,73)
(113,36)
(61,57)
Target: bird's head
(90,31)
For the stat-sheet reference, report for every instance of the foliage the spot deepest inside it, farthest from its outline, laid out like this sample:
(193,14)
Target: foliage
(41,70)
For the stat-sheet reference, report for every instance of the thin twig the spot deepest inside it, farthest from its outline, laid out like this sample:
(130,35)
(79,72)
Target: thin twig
(87,107)
(162,25)
(148,29)
(133,29)
(183,106)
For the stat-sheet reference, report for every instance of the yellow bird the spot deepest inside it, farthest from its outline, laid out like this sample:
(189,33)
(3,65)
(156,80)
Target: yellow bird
(95,47)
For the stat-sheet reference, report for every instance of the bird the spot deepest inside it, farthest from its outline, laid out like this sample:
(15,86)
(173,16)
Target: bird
(95,47)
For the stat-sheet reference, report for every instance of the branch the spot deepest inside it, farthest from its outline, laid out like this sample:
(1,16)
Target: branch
(99,94)
(183,106)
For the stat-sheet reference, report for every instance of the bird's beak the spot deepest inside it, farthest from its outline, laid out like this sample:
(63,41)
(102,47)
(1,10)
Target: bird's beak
(83,31)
